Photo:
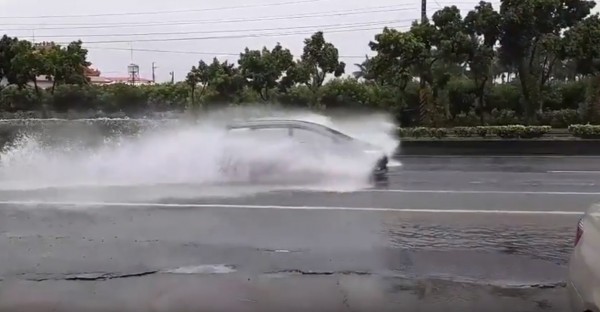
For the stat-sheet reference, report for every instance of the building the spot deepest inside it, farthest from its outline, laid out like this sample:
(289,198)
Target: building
(95,78)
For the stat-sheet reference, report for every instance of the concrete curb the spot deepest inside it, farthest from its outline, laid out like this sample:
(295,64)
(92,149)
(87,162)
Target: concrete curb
(499,147)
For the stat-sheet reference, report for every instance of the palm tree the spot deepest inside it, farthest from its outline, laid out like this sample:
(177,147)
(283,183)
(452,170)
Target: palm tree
(364,69)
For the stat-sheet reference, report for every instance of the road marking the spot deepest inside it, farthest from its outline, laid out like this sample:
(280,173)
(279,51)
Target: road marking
(476,192)
(532,156)
(575,171)
(279,207)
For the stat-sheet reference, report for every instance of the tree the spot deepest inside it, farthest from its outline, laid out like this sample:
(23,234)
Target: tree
(531,38)
(66,65)
(226,78)
(365,70)
(582,44)
(221,77)
(7,53)
(449,44)
(192,79)
(26,65)
(318,59)
(397,52)
(263,69)
(483,28)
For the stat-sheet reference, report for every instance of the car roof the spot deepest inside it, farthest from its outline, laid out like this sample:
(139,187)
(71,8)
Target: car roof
(274,122)
(286,123)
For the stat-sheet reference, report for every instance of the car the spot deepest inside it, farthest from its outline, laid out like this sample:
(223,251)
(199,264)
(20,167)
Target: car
(583,283)
(320,139)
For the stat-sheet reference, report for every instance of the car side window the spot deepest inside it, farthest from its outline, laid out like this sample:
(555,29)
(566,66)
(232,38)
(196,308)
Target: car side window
(270,133)
(306,136)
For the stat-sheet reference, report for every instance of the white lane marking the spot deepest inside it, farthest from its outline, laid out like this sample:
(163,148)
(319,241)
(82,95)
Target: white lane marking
(575,171)
(425,156)
(278,207)
(476,192)
(394,164)
(559,183)
(202,269)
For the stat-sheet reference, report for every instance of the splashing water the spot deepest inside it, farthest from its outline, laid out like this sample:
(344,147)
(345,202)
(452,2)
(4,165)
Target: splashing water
(188,158)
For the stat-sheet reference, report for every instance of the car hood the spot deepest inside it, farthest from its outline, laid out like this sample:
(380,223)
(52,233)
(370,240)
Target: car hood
(368,148)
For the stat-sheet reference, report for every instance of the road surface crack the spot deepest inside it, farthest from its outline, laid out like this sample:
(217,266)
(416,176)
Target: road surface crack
(303,272)
(87,276)
(107,276)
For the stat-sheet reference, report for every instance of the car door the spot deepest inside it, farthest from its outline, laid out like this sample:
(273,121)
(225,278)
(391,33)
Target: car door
(312,142)
(253,151)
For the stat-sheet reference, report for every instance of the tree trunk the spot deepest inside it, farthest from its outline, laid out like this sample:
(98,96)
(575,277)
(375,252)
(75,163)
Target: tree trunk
(481,100)
(193,97)
(422,102)
(53,86)
(265,96)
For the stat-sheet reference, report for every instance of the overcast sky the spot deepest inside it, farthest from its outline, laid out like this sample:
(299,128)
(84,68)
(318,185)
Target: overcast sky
(194,29)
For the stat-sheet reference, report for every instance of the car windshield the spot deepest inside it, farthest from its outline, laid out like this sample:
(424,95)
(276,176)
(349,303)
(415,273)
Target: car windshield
(339,134)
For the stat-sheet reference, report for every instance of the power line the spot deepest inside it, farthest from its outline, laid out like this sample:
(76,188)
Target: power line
(227,31)
(380,9)
(165,12)
(192,52)
(275,34)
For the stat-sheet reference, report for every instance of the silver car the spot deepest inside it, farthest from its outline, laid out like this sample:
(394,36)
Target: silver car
(320,139)
(584,266)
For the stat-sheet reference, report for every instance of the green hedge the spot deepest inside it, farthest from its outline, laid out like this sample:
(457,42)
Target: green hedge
(585,131)
(505,132)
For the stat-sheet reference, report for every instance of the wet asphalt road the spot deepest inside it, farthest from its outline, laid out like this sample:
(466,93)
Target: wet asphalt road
(447,234)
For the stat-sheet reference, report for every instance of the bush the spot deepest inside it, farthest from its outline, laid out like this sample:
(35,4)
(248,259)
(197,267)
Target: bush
(420,132)
(346,93)
(126,98)
(505,132)
(13,99)
(74,97)
(504,97)
(464,131)
(573,95)
(559,118)
(520,131)
(585,131)
(167,97)
(461,95)
(469,120)
(503,117)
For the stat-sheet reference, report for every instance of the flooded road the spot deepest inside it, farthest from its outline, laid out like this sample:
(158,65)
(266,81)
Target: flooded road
(447,234)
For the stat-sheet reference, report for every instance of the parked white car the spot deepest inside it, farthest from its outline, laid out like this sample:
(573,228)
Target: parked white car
(584,266)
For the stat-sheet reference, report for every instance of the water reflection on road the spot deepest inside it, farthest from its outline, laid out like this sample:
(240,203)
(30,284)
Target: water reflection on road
(286,245)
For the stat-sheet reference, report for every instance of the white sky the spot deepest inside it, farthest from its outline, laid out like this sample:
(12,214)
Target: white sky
(349,24)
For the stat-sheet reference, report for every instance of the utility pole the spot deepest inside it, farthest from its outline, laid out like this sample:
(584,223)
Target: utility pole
(153,75)
(423,10)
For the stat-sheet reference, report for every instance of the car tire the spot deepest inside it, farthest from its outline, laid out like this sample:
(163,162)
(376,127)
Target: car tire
(380,179)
